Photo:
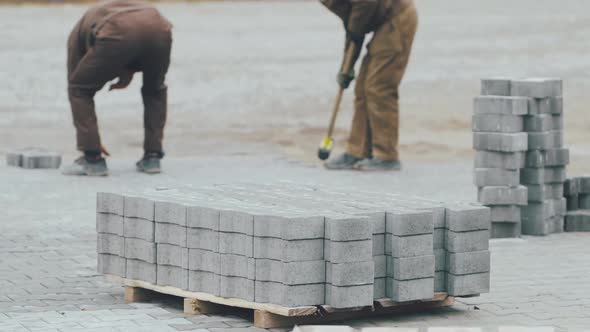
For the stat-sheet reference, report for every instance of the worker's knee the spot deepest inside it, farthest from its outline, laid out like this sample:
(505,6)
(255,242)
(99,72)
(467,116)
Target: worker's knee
(80,92)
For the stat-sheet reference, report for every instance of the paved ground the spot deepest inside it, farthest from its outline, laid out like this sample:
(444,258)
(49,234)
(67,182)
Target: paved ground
(248,102)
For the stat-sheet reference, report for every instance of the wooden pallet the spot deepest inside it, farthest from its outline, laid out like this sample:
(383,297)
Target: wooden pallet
(270,315)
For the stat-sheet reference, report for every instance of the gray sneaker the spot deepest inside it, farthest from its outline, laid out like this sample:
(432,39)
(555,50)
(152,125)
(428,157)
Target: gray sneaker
(83,167)
(149,164)
(344,161)
(376,164)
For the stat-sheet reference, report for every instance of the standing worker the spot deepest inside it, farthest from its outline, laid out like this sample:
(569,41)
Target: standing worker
(114,40)
(373,142)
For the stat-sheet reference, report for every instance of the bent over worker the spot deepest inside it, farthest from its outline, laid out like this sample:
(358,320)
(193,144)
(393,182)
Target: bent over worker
(373,141)
(115,40)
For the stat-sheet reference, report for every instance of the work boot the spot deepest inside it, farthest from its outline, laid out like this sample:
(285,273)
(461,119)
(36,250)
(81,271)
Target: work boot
(89,166)
(150,163)
(344,161)
(376,164)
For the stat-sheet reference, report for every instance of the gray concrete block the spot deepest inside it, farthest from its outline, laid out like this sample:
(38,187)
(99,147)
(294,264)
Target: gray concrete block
(457,242)
(505,160)
(139,228)
(503,230)
(380,263)
(539,226)
(237,266)
(140,270)
(577,221)
(573,203)
(236,243)
(541,122)
(558,224)
(439,238)
(538,211)
(201,217)
(560,206)
(293,273)
(349,297)
(500,105)
(205,282)
(497,195)
(537,87)
(348,229)
(550,105)
(348,252)
(110,244)
(461,218)
(584,185)
(498,123)
(505,213)
(440,281)
(545,140)
(409,222)
(411,268)
(236,287)
(236,222)
(110,203)
(40,159)
(468,262)
(109,223)
(289,295)
(377,221)
(584,202)
(409,246)
(350,274)
(500,142)
(289,228)
(173,276)
(378,244)
(201,238)
(548,158)
(139,207)
(379,288)
(543,175)
(204,260)
(170,234)
(469,284)
(540,193)
(410,290)
(170,213)
(140,249)
(111,264)
(495,87)
(291,251)
(14,158)
(439,214)
(571,187)
(168,254)
(440,259)
(484,177)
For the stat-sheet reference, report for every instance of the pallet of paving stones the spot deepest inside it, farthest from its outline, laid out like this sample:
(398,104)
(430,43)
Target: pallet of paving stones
(520,164)
(577,193)
(293,245)
(32,158)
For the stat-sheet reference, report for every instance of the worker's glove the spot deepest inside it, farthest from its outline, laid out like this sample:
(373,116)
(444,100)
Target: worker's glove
(344,79)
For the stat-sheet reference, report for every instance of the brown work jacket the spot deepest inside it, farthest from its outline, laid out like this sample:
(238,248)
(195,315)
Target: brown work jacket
(363,16)
(96,17)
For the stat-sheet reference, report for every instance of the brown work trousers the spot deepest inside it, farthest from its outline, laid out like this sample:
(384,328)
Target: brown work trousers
(375,125)
(140,39)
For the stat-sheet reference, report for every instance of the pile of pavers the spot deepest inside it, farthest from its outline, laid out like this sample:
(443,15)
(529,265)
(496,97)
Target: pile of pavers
(520,163)
(33,158)
(577,193)
(295,245)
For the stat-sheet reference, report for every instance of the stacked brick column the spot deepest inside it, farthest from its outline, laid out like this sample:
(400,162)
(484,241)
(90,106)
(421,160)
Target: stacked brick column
(577,192)
(520,162)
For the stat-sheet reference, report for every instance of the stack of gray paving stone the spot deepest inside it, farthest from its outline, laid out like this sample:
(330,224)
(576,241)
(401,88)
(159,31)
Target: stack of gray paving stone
(294,245)
(110,228)
(521,164)
(31,158)
(577,193)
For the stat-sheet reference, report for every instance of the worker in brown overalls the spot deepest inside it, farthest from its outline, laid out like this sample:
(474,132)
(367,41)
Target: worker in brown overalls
(114,40)
(373,142)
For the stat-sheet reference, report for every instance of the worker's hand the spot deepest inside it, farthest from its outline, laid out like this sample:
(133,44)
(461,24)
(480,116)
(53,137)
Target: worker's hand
(124,80)
(344,79)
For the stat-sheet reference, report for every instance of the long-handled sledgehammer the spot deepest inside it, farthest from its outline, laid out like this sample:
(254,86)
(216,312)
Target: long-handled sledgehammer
(328,143)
